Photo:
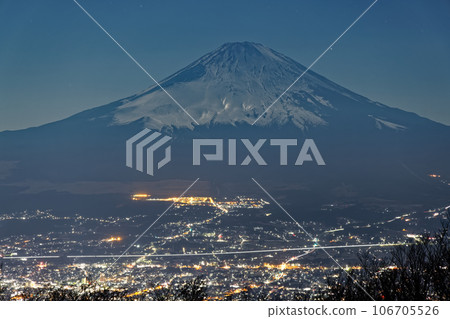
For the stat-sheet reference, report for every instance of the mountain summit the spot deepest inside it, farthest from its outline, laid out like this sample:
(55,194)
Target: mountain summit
(236,83)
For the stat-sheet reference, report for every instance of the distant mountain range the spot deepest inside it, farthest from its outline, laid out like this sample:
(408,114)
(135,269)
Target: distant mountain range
(373,152)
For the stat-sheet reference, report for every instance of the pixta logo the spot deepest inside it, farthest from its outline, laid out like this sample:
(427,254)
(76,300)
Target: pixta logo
(147,141)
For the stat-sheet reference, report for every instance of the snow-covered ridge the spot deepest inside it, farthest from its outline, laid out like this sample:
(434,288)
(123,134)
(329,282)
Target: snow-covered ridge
(236,83)
(380,124)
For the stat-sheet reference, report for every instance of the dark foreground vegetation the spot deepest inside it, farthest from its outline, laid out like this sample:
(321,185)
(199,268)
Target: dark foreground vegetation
(419,271)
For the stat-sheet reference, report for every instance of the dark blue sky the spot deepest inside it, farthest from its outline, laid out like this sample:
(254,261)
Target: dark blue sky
(55,62)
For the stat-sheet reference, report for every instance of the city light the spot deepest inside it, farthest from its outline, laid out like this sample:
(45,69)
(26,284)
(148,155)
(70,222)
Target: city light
(112,239)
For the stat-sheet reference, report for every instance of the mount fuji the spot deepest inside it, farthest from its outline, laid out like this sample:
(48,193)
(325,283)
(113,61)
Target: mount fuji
(372,151)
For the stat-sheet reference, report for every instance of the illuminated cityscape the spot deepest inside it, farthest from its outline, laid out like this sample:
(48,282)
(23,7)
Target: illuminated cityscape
(233,243)
(239,202)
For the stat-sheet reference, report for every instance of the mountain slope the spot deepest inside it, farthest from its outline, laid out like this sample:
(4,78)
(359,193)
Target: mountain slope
(373,149)
(236,83)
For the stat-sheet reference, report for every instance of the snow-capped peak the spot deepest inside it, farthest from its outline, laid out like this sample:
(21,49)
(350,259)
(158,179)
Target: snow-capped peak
(235,83)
